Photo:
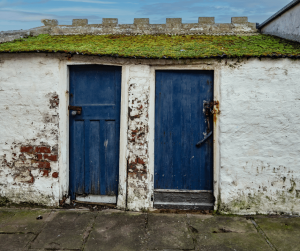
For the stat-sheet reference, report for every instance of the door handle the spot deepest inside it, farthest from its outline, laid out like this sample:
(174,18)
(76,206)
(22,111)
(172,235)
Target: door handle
(77,109)
(203,140)
(208,111)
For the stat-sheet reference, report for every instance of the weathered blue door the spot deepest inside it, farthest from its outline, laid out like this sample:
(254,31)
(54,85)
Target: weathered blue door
(180,123)
(94,132)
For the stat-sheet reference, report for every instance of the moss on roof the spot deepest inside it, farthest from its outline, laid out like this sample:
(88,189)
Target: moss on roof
(161,46)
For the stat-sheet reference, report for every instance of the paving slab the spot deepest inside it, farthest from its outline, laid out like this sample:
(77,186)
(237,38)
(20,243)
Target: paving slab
(118,231)
(169,232)
(15,242)
(223,233)
(283,233)
(22,221)
(67,230)
(5,215)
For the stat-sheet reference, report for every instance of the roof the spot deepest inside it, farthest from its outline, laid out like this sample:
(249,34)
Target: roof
(280,12)
(160,46)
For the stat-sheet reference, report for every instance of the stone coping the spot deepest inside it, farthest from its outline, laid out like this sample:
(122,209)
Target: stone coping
(141,26)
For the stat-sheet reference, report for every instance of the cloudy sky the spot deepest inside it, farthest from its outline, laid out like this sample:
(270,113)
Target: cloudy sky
(25,14)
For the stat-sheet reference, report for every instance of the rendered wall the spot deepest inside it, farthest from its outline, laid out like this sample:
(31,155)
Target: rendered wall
(138,175)
(259,147)
(286,26)
(29,129)
(259,137)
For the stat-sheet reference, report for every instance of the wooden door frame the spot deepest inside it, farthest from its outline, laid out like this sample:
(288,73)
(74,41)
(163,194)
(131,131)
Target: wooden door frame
(216,146)
(64,147)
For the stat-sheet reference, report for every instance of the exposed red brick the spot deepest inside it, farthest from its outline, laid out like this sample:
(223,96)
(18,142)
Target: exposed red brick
(50,157)
(32,179)
(46,173)
(26,149)
(140,161)
(39,156)
(42,149)
(45,165)
(55,175)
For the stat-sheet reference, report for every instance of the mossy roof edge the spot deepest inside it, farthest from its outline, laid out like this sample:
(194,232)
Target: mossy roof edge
(157,47)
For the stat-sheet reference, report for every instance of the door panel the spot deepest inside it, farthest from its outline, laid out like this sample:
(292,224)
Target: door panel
(180,123)
(95,133)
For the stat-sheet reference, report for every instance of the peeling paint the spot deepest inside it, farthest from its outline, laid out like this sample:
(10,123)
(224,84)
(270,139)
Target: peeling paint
(258,122)
(138,138)
(29,133)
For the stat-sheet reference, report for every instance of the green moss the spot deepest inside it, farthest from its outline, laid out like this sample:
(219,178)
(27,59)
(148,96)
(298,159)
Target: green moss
(161,46)
(3,201)
(293,186)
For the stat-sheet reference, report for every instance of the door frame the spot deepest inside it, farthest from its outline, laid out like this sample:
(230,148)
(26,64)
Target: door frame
(216,124)
(64,147)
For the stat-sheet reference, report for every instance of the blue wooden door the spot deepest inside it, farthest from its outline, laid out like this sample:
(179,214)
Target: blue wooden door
(94,134)
(180,123)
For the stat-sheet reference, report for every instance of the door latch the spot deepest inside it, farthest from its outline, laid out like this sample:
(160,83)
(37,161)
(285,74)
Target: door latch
(203,140)
(208,111)
(77,109)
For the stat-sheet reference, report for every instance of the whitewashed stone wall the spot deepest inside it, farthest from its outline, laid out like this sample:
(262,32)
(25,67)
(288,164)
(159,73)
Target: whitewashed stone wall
(259,146)
(29,129)
(259,137)
(138,196)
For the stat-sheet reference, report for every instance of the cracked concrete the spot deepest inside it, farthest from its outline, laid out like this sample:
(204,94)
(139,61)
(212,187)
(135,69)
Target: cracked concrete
(119,230)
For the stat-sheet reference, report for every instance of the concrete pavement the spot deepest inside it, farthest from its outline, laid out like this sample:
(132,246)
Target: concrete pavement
(61,229)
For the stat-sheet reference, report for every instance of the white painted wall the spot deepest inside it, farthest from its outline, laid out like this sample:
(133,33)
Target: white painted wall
(27,84)
(258,147)
(259,141)
(286,26)
(139,177)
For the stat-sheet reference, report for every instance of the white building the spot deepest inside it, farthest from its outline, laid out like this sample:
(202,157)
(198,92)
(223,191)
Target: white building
(285,23)
(152,111)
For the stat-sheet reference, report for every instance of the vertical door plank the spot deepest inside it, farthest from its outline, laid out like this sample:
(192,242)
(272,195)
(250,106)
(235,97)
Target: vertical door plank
(110,160)
(93,184)
(79,155)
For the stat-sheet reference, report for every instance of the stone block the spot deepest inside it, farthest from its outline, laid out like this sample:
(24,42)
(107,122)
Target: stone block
(239,20)
(252,26)
(66,231)
(176,235)
(49,22)
(16,221)
(141,21)
(109,21)
(15,241)
(79,22)
(174,20)
(283,233)
(206,20)
(118,231)
(221,28)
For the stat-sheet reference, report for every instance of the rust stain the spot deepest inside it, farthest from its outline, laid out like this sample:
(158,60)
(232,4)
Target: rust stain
(216,110)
